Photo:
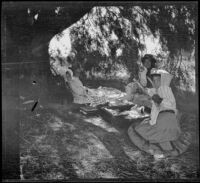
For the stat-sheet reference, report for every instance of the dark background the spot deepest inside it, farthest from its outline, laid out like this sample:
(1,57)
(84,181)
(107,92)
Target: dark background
(19,59)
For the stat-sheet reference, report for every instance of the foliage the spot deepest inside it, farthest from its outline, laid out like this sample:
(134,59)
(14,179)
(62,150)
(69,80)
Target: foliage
(109,35)
(121,29)
(176,26)
(99,48)
(27,20)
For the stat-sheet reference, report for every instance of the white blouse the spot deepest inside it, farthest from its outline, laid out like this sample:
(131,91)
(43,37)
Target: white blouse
(165,92)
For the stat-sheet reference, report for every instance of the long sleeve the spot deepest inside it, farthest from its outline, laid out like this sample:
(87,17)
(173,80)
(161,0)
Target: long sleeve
(168,101)
(151,91)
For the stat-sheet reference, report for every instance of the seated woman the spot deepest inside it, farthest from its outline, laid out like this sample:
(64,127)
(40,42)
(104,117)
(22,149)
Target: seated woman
(81,94)
(138,87)
(161,134)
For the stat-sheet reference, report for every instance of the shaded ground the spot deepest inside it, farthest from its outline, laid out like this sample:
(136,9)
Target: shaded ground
(57,143)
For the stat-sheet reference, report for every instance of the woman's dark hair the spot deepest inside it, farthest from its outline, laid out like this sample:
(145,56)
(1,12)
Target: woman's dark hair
(76,67)
(150,58)
(69,60)
(67,72)
(153,65)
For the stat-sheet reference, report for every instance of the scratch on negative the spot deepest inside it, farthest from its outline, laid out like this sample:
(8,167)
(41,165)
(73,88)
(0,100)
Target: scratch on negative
(34,106)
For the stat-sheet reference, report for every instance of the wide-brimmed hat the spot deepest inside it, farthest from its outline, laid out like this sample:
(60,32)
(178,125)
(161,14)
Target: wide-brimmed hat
(166,77)
(158,71)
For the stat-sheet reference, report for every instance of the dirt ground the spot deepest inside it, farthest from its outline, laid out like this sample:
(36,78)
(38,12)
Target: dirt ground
(58,142)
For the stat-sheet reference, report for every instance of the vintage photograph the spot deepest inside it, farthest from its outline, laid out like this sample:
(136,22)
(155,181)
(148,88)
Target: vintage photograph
(100,91)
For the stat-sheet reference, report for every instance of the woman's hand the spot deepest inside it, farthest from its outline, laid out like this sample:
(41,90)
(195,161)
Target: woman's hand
(142,69)
(157,99)
(145,121)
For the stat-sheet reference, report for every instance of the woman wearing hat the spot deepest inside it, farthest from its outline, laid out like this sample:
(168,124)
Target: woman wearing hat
(161,134)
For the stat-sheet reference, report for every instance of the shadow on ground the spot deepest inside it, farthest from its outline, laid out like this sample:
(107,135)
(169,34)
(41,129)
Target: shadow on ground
(62,144)
(57,143)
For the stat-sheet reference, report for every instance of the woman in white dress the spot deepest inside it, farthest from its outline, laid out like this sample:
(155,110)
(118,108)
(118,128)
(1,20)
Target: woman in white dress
(161,134)
(82,94)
